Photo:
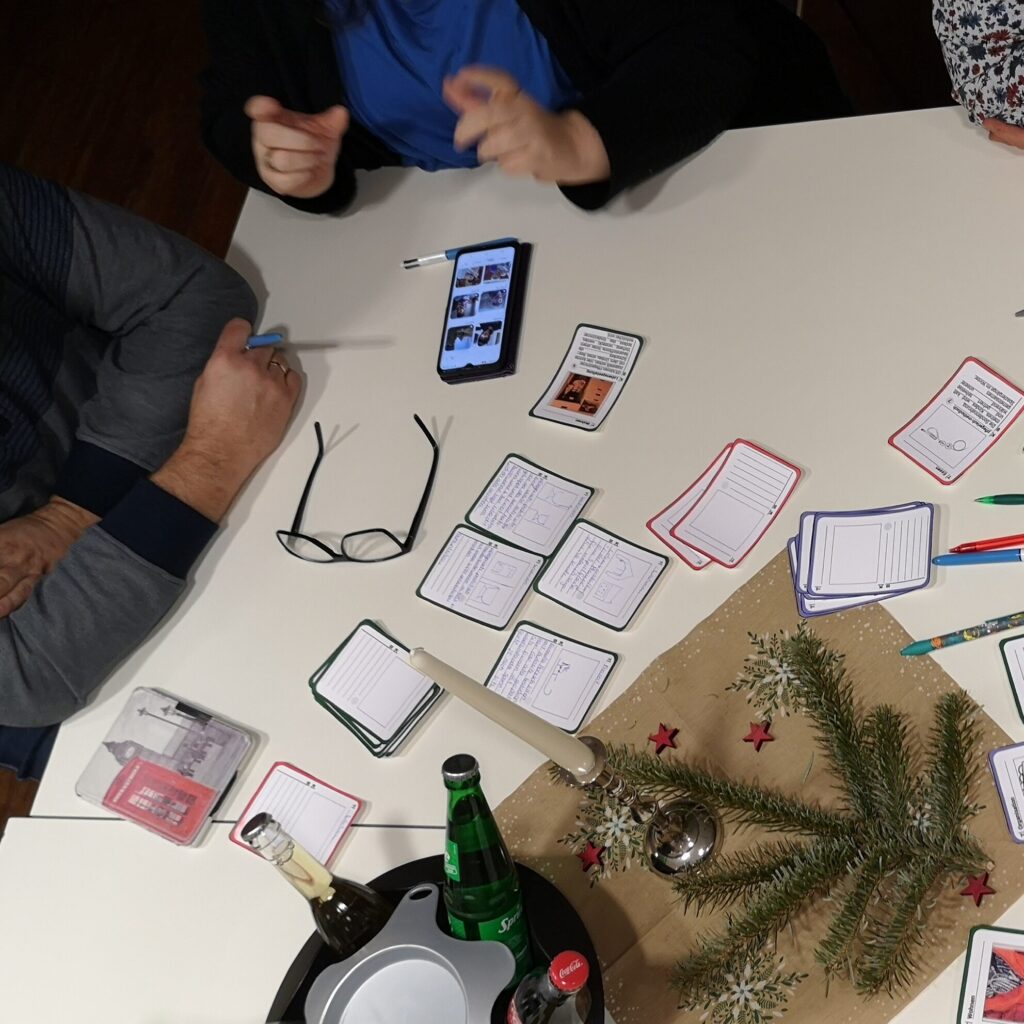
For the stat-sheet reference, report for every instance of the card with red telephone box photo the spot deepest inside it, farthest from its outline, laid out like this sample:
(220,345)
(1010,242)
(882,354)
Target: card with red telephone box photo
(165,765)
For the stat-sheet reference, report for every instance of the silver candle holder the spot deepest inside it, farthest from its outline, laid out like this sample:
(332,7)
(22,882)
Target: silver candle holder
(681,834)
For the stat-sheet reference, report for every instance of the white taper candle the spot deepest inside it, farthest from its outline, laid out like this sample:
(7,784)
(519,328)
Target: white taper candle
(565,750)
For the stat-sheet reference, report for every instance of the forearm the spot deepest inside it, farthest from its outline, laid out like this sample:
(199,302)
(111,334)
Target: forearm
(80,621)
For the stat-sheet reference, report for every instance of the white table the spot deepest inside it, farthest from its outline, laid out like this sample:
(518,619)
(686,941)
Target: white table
(807,287)
(103,923)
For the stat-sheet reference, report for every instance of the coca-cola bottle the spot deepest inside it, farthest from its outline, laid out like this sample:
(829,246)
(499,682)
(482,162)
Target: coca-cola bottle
(544,989)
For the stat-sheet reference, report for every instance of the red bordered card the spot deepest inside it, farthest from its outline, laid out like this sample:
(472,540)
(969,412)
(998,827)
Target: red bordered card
(742,500)
(313,812)
(965,417)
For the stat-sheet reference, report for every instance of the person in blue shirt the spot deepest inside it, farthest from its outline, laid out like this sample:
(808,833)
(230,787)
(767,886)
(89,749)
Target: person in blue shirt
(592,95)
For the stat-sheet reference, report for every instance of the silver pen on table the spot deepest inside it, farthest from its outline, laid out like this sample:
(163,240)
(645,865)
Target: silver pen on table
(449,254)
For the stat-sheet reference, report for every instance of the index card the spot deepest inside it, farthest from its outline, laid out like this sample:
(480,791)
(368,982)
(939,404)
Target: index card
(1012,651)
(558,679)
(590,379)
(313,813)
(875,552)
(479,578)
(993,983)
(528,506)
(740,503)
(371,681)
(972,411)
(600,575)
(668,518)
(1007,766)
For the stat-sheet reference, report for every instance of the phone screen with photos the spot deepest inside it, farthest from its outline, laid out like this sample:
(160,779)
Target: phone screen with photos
(476,313)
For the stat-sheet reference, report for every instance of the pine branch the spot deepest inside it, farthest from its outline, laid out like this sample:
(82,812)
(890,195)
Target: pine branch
(813,872)
(892,782)
(890,945)
(827,698)
(738,875)
(953,767)
(736,801)
(835,951)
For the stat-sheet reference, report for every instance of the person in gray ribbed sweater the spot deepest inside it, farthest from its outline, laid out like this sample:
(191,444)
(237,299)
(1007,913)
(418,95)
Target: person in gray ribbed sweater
(119,451)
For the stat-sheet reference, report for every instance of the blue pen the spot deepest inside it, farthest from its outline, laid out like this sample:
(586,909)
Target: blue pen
(979,557)
(450,254)
(262,340)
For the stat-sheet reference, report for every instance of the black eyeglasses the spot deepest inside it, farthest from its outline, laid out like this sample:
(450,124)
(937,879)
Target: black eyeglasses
(309,549)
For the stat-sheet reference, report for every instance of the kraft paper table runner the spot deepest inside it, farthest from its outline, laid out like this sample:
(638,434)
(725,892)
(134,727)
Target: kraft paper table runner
(638,928)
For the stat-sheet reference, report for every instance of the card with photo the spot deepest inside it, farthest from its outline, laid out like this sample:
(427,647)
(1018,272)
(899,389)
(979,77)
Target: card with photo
(588,383)
(992,991)
(497,272)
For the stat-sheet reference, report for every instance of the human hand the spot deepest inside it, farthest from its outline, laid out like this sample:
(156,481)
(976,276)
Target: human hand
(295,153)
(31,545)
(1000,131)
(240,408)
(518,134)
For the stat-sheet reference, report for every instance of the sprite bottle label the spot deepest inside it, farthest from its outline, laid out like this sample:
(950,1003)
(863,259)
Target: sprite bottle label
(451,860)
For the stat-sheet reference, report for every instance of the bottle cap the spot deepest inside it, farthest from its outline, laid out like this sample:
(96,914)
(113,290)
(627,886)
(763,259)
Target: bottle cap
(460,767)
(569,971)
(265,835)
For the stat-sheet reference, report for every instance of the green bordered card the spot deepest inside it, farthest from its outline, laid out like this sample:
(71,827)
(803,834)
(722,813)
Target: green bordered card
(993,984)
(600,575)
(555,677)
(527,505)
(1012,650)
(369,686)
(479,577)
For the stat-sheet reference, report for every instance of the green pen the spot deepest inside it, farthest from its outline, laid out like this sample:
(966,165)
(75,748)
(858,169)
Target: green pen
(961,636)
(1002,499)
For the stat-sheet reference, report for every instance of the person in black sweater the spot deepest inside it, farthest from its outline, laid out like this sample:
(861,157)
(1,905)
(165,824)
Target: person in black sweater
(593,95)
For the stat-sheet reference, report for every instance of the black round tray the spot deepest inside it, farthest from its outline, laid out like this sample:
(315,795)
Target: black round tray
(554,927)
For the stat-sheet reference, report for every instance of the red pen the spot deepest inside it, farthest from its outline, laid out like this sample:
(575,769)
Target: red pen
(1015,540)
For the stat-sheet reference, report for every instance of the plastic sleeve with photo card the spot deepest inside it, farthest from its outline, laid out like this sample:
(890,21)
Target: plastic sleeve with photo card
(165,765)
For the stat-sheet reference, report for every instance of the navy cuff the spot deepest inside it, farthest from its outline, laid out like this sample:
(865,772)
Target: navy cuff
(159,528)
(96,479)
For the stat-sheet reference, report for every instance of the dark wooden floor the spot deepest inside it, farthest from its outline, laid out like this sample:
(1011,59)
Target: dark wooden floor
(100,95)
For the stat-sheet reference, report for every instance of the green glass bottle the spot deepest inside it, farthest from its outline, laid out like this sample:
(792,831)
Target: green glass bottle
(481,887)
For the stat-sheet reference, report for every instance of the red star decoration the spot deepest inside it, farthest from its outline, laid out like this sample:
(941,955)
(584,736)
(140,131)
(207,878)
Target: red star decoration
(590,856)
(977,888)
(664,737)
(759,735)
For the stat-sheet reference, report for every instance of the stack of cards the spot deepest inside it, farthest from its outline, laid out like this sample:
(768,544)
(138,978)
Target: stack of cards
(369,686)
(527,522)
(845,559)
(993,985)
(974,408)
(727,510)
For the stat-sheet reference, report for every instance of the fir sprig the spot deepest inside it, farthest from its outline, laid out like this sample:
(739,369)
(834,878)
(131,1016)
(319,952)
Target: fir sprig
(738,802)
(899,833)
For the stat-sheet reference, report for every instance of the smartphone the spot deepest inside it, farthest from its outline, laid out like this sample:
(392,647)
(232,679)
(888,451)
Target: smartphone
(480,337)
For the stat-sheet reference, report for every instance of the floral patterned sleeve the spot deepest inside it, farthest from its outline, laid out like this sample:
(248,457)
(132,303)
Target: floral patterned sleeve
(983,43)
